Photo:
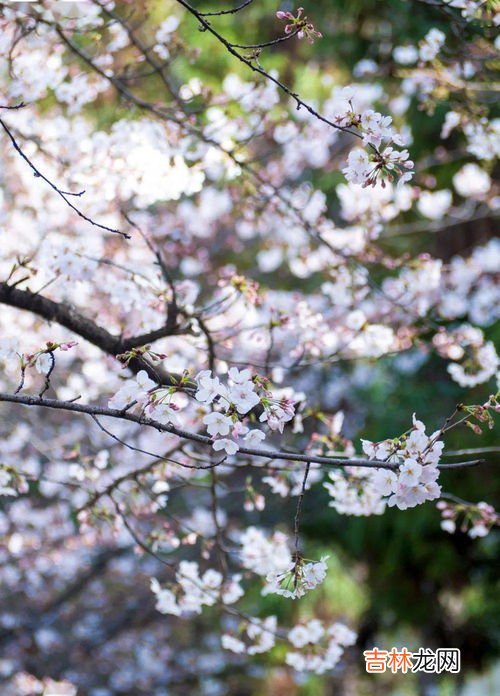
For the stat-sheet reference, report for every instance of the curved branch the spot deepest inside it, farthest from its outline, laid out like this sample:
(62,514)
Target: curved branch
(218,13)
(63,194)
(300,103)
(63,314)
(67,316)
(28,400)
(273,42)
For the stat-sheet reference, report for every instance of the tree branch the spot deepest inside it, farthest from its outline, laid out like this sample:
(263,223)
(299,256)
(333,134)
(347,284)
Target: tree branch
(67,316)
(63,194)
(28,400)
(206,26)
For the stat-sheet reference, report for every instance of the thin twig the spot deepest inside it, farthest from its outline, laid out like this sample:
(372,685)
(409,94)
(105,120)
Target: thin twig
(296,523)
(218,13)
(63,194)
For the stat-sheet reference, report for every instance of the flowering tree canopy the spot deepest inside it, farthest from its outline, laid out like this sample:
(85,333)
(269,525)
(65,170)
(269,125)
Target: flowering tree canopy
(218,241)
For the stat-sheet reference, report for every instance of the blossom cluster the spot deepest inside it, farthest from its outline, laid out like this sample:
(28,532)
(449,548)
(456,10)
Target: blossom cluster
(475,360)
(264,555)
(469,9)
(412,480)
(235,400)
(195,590)
(42,360)
(298,578)
(316,647)
(261,634)
(477,519)
(431,44)
(299,24)
(380,164)
(320,646)
(160,403)
(368,170)
(469,287)
(287,481)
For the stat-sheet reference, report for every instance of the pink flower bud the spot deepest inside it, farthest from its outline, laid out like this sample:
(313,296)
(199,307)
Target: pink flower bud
(68,345)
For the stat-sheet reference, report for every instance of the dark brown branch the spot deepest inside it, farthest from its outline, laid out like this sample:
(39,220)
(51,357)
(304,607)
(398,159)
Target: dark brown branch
(234,10)
(62,314)
(266,44)
(67,316)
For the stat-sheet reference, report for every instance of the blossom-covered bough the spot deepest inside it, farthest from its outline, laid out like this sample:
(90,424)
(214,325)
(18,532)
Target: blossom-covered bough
(176,295)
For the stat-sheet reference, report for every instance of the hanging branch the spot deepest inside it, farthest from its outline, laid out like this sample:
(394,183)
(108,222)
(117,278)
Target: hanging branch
(63,194)
(249,62)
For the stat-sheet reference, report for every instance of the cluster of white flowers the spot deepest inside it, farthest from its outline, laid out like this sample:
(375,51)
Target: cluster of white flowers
(298,578)
(30,82)
(197,590)
(264,555)
(405,55)
(320,647)
(435,204)
(134,390)
(6,487)
(26,684)
(237,399)
(483,138)
(251,96)
(367,170)
(164,36)
(485,365)
(469,8)
(416,288)
(353,492)
(42,360)
(477,519)
(159,403)
(475,360)
(371,206)
(414,481)
(261,633)
(285,481)
(240,393)
(375,129)
(431,44)
(271,558)
(79,90)
(469,286)
(471,181)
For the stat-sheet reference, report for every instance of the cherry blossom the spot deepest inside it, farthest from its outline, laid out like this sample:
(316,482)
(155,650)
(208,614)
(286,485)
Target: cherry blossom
(299,25)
